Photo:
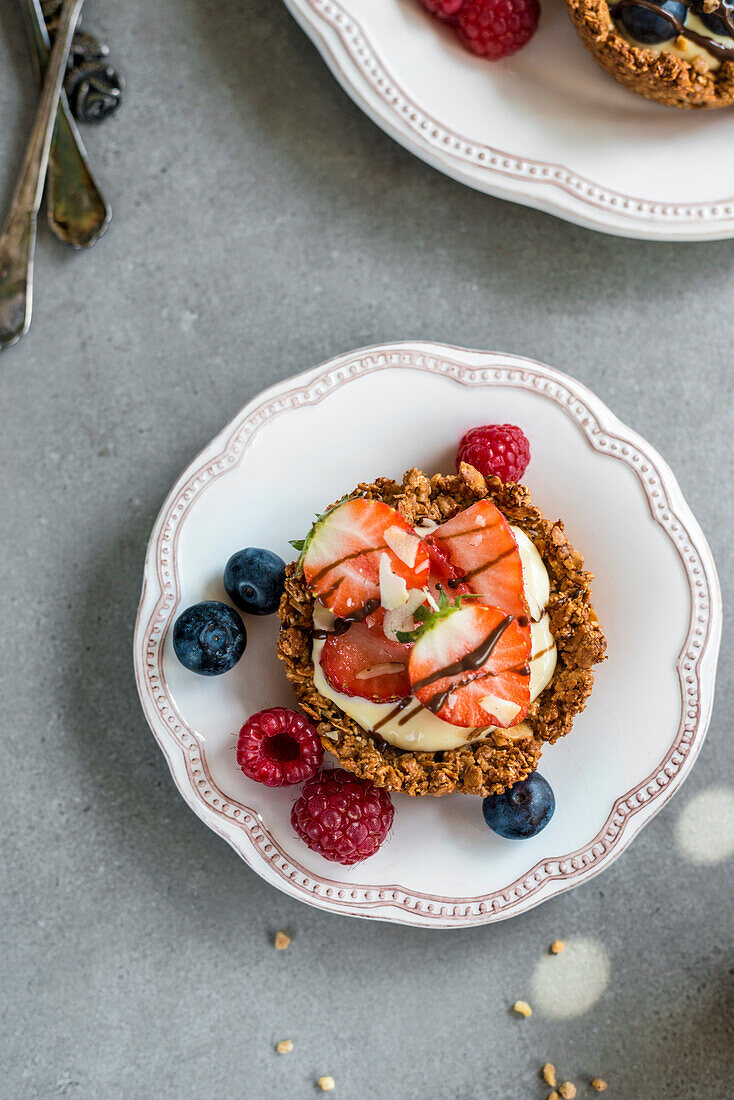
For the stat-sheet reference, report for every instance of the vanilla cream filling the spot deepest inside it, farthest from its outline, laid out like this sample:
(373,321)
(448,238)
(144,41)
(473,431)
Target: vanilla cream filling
(423,731)
(691,49)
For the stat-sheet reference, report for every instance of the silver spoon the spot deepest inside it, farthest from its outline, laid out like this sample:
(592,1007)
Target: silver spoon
(18,239)
(77,211)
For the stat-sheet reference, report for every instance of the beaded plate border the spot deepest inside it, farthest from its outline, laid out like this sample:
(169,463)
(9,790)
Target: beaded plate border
(544,185)
(243,827)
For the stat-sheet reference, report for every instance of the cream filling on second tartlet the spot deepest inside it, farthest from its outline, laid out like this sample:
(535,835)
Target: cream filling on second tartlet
(423,731)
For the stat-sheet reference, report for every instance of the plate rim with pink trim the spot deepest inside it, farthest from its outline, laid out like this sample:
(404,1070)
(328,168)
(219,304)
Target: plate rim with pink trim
(550,185)
(243,826)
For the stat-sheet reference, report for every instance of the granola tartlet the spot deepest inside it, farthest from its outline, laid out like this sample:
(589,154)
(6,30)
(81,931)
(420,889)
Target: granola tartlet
(503,758)
(693,67)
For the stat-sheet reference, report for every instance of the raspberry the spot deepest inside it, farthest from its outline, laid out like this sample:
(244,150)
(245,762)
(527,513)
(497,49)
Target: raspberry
(497,28)
(343,818)
(499,449)
(443,9)
(278,747)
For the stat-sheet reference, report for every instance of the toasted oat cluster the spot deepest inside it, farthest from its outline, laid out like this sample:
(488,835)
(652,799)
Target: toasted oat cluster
(659,75)
(491,765)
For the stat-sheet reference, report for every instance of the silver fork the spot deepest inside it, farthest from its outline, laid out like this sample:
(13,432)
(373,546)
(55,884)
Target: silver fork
(77,211)
(18,239)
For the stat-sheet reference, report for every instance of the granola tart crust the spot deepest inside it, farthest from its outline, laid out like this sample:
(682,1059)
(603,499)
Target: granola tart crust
(488,766)
(662,77)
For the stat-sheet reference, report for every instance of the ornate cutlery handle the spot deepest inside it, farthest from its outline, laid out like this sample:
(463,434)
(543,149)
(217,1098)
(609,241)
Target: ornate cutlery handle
(17,242)
(77,211)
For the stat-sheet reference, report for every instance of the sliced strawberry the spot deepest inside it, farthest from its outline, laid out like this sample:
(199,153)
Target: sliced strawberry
(351,545)
(476,551)
(442,570)
(470,666)
(364,662)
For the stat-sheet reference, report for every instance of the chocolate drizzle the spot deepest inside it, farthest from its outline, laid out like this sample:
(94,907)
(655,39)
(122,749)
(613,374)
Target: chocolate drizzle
(396,710)
(411,714)
(480,568)
(341,628)
(332,589)
(722,12)
(342,624)
(470,531)
(365,551)
(393,713)
(543,652)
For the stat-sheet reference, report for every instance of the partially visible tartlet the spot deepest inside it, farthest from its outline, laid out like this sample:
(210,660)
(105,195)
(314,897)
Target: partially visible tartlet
(683,60)
(504,756)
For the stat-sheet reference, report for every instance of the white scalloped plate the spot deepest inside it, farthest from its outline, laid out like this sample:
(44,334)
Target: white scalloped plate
(546,128)
(376,412)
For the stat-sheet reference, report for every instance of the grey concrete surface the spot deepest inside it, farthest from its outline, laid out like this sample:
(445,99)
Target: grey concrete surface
(261,225)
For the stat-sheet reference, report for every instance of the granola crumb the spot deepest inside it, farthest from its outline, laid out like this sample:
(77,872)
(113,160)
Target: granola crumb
(326,1084)
(549,1074)
(598,1084)
(522,1008)
(285,1046)
(681,42)
(282,940)
(567,1090)
(553,1095)
(556,947)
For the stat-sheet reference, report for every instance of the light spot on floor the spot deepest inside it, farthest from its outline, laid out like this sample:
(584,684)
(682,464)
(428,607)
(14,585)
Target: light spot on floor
(704,832)
(568,984)
(187,320)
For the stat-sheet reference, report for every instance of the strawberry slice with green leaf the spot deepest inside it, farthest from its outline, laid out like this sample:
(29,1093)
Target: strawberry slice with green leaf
(470,663)
(359,552)
(476,551)
(363,662)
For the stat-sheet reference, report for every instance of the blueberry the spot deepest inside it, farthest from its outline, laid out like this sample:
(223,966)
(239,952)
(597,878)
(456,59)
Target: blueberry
(715,23)
(521,811)
(254,580)
(647,26)
(209,638)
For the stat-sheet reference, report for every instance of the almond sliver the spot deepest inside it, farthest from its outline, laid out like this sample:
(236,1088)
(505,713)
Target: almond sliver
(385,669)
(402,617)
(393,589)
(504,710)
(403,544)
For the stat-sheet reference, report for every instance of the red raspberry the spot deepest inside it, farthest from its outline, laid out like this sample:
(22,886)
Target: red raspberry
(344,818)
(443,9)
(497,28)
(499,449)
(278,747)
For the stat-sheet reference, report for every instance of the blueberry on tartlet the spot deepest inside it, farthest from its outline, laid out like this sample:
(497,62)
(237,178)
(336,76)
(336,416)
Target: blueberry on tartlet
(720,23)
(652,27)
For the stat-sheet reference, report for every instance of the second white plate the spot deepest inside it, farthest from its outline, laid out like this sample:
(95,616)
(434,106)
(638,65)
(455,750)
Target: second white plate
(546,128)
